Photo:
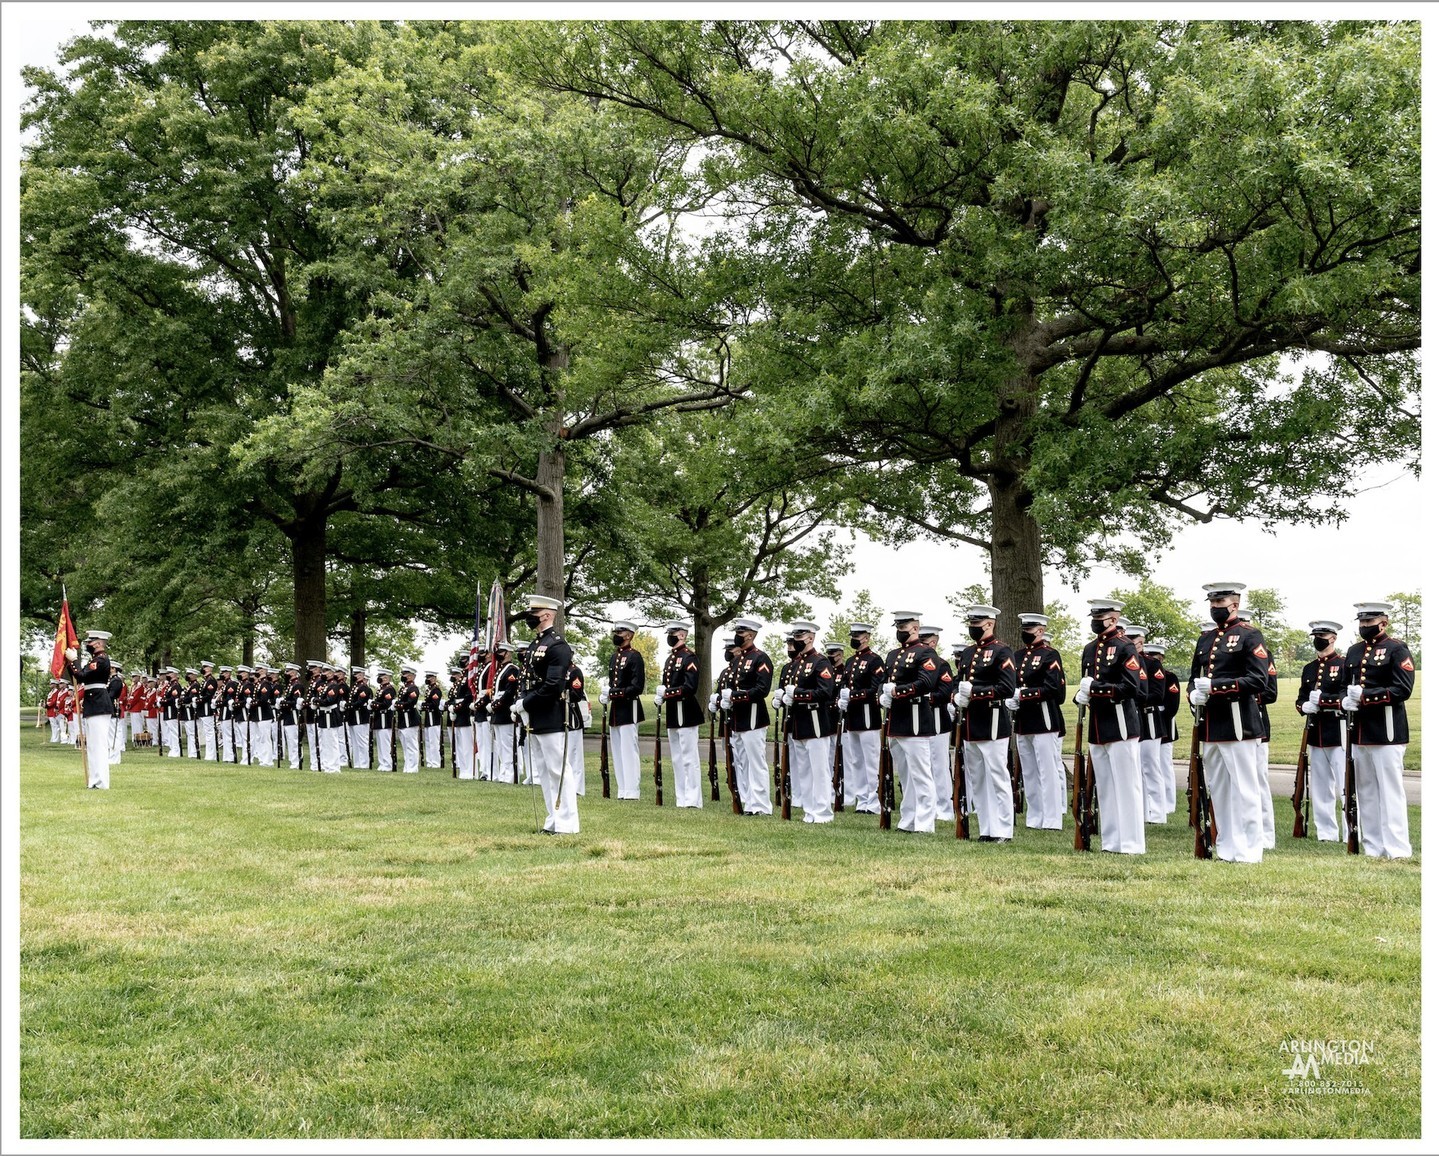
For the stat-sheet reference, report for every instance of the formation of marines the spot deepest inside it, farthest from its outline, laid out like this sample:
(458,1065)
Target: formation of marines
(977,733)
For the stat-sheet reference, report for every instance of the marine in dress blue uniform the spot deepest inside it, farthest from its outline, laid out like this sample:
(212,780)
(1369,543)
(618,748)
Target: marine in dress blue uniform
(748,703)
(544,707)
(985,680)
(1113,684)
(622,696)
(859,689)
(807,701)
(678,698)
(1325,675)
(911,676)
(93,676)
(1037,710)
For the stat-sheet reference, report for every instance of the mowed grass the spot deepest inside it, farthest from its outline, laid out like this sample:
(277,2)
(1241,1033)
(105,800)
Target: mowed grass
(245,952)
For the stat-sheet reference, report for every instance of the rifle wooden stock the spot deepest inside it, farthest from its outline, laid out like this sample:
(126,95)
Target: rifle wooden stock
(605,750)
(961,788)
(1351,800)
(1301,785)
(1080,793)
(886,776)
(659,776)
(784,781)
(714,765)
(837,770)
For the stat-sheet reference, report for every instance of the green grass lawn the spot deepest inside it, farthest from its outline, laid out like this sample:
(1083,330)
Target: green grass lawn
(214,951)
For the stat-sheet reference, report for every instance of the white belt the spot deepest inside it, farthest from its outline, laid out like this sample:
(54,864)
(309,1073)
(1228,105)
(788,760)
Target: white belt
(94,685)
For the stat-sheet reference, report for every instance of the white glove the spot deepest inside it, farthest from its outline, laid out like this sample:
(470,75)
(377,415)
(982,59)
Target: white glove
(776,700)
(1086,682)
(659,698)
(585,711)
(1204,685)
(949,706)
(1082,698)
(844,698)
(1356,692)
(1197,697)
(714,703)
(522,714)
(1308,708)
(1351,703)
(726,697)
(964,690)
(604,696)
(886,699)
(1314,697)
(889,689)
(71,653)
(1012,703)
(788,697)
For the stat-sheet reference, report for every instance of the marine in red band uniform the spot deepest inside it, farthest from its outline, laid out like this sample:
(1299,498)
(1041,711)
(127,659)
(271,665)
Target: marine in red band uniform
(812,690)
(859,690)
(1113,685)
(941,702)
(1227,678)
(747,700)
(135,705)
(52,710)
(1152,767)
(1379,672)
(70,727)
(911,674)
(678,697)
(985,679)
(1167,718)
(622,695)
(1037,712)
(93,676)
(544,709)
(118,700)
(1324,676)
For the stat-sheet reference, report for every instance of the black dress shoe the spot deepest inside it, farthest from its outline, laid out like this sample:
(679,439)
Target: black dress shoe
(988,839)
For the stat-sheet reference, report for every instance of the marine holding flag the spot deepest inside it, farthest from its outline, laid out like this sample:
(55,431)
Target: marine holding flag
(93,677)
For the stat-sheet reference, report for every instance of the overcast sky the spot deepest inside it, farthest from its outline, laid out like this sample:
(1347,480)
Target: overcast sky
(1318,571)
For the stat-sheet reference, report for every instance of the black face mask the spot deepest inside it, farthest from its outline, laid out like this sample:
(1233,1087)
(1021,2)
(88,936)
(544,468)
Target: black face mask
(1370,633)
(1029,636)
(794,648)
(532,620)
(1320,644)
(902,634)
(728,655)
(1220,614)
(1097,625)
(977,633)
(672,640)
(855,642)
(739,641)
(617,638)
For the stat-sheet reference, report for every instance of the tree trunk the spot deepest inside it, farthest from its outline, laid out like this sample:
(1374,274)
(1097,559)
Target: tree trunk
(550,527)
(357,636)
(1016,559)
(307,544)
(703,631)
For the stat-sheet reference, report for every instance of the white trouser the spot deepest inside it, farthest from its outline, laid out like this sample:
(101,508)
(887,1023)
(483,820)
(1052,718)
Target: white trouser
(811,777)
(384,749)
(861,771)
(1042,765)
(432,746)
(1119,789)
(505,751)
(1326,794)
(548,757)
(187,734)
(986,765)
(484,746)
(1166,760)
(625,760)
(1231,772)
(242,741)
(206,726)
(225,732)
(329,739)
(96,729)
(464,739)
(684,744)
(916,782)
(292,744)
(312,736)
(942,769)
(172,737)
(575,752)
(359,745)
(55,721)
(117,739)
(1153,770)
(751,769)
(1379,790)
(137,723)
(262,742)
(1266,797)
(410,747)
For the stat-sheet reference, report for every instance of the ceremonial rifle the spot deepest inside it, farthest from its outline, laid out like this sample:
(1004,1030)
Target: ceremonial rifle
(1351,801)
(731,778)
(1016,774)
(961,788)
(714,765)
(837,774)
(1201,808)
(659,777)
(778,738)
(886,776)
(1079,805)
(605,750)
(1300,798)
(786,722)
